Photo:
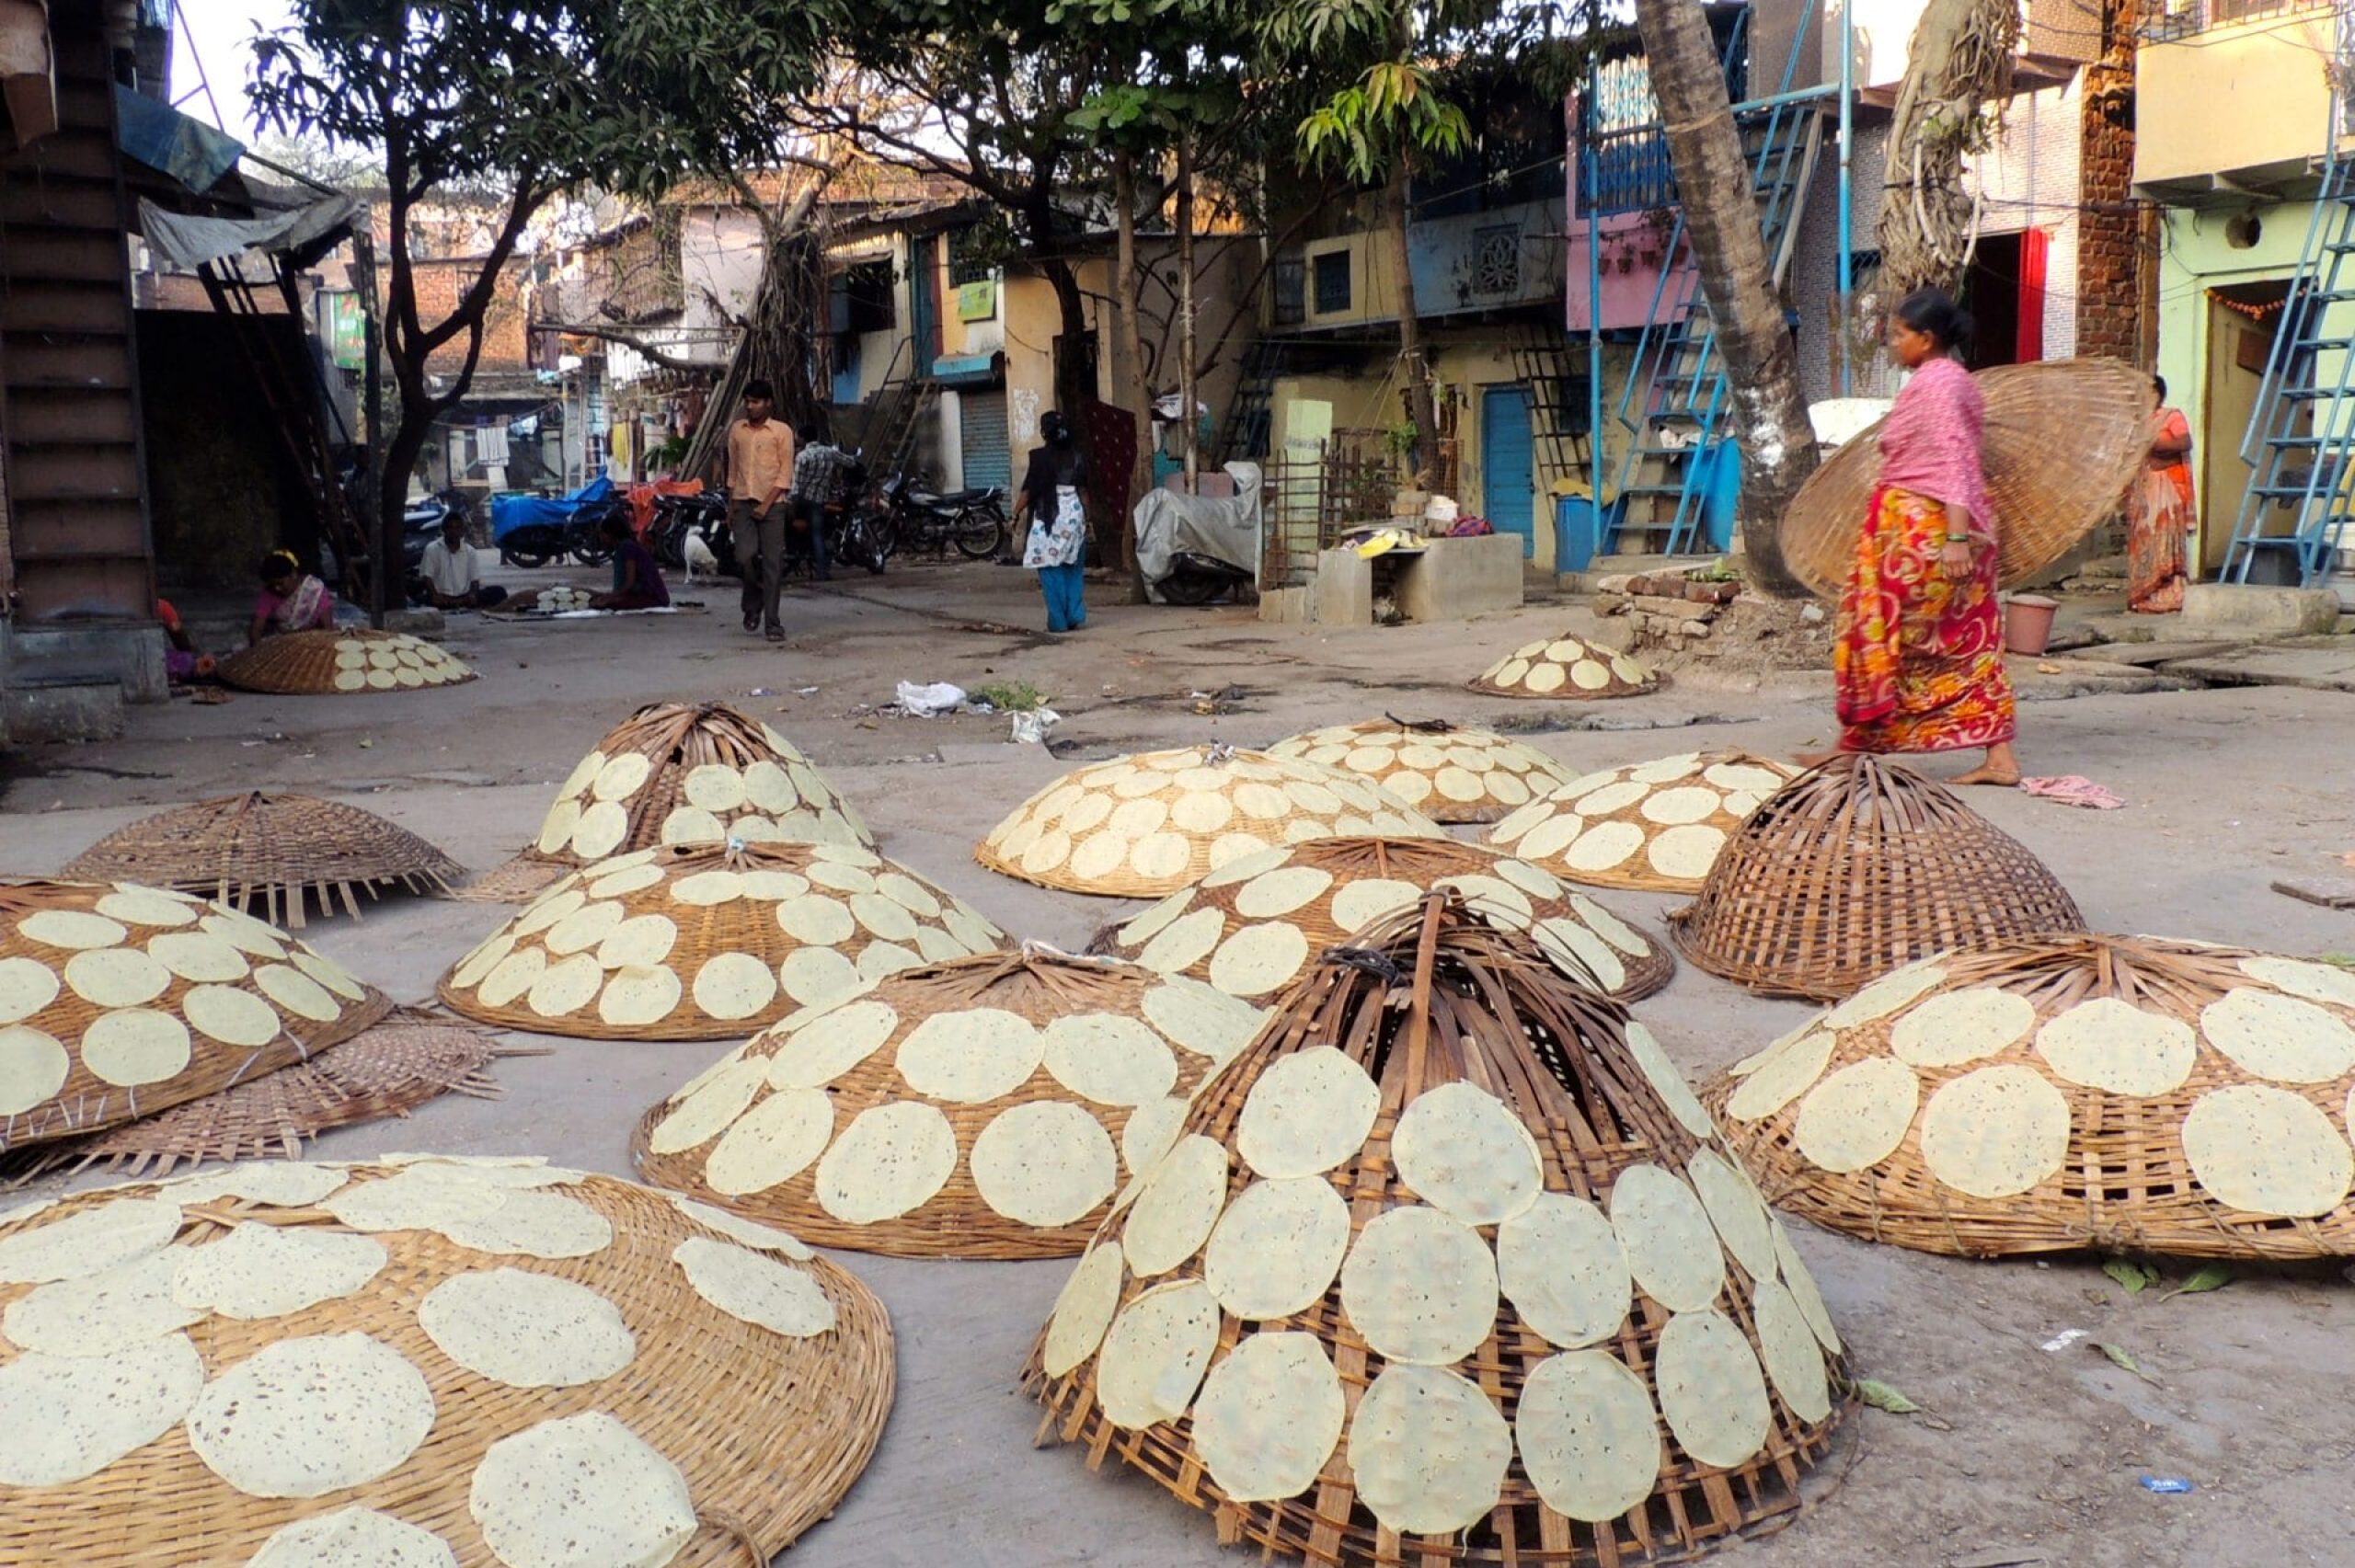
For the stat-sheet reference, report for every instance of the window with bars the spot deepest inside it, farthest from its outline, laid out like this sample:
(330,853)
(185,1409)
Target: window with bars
(1289,283)
(1332,281)
(971,260)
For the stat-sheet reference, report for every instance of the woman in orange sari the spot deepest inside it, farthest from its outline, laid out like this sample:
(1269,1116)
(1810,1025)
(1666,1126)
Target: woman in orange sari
(2158,536)
(1918,658)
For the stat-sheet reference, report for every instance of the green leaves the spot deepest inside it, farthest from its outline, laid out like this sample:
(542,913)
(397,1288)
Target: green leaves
(2210,1277)
(1881,1396)
(1392,112)
(2131,1276)
(2121,1356)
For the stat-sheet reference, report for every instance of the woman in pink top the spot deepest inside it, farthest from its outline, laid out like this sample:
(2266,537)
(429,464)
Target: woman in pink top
(291,598)
(1918,658)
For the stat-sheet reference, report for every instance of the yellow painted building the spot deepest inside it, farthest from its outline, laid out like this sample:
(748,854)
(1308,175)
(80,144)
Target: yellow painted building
(2233,121)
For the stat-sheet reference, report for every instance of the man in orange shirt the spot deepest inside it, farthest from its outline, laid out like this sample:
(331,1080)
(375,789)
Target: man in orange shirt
(760,472)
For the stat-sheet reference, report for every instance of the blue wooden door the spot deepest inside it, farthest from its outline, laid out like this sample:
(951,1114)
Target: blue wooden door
(1508,464)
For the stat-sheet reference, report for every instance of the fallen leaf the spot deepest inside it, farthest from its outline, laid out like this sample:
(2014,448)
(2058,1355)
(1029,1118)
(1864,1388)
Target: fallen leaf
(2120,1356)
(2047,669)
(2211,1276)
(2131,1276)
(1880,1396)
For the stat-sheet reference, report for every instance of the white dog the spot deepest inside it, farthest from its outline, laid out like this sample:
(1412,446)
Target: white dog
(699,557)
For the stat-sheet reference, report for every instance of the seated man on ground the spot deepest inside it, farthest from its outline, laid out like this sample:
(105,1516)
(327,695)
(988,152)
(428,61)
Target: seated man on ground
(450,576)
(638,579)
(292,599)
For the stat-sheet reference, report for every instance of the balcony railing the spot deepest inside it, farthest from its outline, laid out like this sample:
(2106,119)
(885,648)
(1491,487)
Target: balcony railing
(1631,173)
(2167,20)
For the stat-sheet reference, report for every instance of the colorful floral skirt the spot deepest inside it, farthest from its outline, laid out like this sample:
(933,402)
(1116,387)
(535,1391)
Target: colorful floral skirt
(1918,660)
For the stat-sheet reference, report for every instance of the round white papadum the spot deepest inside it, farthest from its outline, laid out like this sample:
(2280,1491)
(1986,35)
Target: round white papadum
(1711,1389)
(1421,1286)
(1156,1354)
(1308,1112)
(1673,1250)
(1269,1416)
(1858,1116)
(1587,1438)
(1084,1309)
(2266,1150)
(1996,1132)
(971,1057)
(773,1142)
(534,1225)
(526,1330)
(1428,1449)
(1046,1164)
(263,1271)
(580,1492)
(88,1241)
(1277,1247)
(1463,1152)
(310,1415)
(760,1290)
(891,1159)
(103,1313)
(1562,1267)
(353,1537)
(65,1418)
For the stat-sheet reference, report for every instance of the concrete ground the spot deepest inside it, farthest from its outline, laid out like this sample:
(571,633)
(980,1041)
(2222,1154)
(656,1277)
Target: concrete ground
(2021,1456)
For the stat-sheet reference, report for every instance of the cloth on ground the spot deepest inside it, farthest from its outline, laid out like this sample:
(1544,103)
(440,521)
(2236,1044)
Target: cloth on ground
(2073,789)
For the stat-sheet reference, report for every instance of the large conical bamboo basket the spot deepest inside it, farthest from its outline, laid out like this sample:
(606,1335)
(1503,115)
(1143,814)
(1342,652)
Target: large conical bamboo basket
(2062,439)
(1396,1294)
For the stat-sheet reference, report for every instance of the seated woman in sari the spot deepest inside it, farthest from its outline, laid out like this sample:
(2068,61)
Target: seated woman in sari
(638,579)
(1918,658)
(292,599)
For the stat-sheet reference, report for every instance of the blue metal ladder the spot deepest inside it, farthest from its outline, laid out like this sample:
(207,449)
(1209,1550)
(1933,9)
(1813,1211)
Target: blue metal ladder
(1677,395)
(2301,439)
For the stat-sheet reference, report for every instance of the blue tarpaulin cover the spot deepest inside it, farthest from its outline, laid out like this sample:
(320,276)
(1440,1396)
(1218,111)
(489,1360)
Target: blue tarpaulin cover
(163,137)
(509,513)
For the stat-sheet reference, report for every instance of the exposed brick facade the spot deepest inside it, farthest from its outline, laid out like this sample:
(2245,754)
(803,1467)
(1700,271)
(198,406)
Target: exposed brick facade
(2112,257)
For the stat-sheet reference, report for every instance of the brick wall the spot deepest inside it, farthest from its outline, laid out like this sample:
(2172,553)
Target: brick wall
(2111,255)
(504,341)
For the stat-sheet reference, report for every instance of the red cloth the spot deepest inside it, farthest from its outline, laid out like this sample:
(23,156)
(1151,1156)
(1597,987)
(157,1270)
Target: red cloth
(1918,658)
(642,498)
(1930,444)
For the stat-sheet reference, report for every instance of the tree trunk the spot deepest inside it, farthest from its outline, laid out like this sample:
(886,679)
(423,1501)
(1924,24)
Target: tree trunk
(1129,387)
(1421,411)
(1728,247)
(1187,377)
(1959,56)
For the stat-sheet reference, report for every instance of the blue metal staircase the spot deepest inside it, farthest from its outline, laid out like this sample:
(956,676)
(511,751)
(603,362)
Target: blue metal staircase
(2300,439)
(1676,400)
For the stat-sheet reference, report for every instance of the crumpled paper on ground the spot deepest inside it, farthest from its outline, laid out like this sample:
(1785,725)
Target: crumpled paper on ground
(1030,728)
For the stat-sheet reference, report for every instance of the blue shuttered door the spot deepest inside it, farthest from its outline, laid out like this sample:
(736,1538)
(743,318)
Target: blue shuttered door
(1508,464)
(981,425)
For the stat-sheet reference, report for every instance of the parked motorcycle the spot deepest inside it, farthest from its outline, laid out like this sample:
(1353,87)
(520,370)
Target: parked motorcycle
(1196,578)
(972,521)
(678,517)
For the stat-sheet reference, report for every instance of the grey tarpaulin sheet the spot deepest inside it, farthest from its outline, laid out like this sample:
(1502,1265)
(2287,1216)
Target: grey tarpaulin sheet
(187,242)
(1224,528)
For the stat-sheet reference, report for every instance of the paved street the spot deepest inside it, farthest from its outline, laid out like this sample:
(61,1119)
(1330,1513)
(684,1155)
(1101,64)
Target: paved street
(2226,789)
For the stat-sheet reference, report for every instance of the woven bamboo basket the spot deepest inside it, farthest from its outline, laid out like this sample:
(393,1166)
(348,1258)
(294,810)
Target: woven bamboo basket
(1566,669)
(344,661)
(387,1069)
(707,943)
(123,1001)
(1251,928)
(2045,1093)
(1149,824)
(1375,1304)
(2062,439)
(735,1436)
(1654,827)
(1448,772)
(984,1108)
(679,773)
(1853,869)
(276,851)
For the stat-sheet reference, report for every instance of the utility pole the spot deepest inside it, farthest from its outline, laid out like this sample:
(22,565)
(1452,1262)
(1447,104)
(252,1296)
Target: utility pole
(386,549)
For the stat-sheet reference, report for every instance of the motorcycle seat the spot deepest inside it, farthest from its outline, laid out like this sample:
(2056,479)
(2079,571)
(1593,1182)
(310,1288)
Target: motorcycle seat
(960,498)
